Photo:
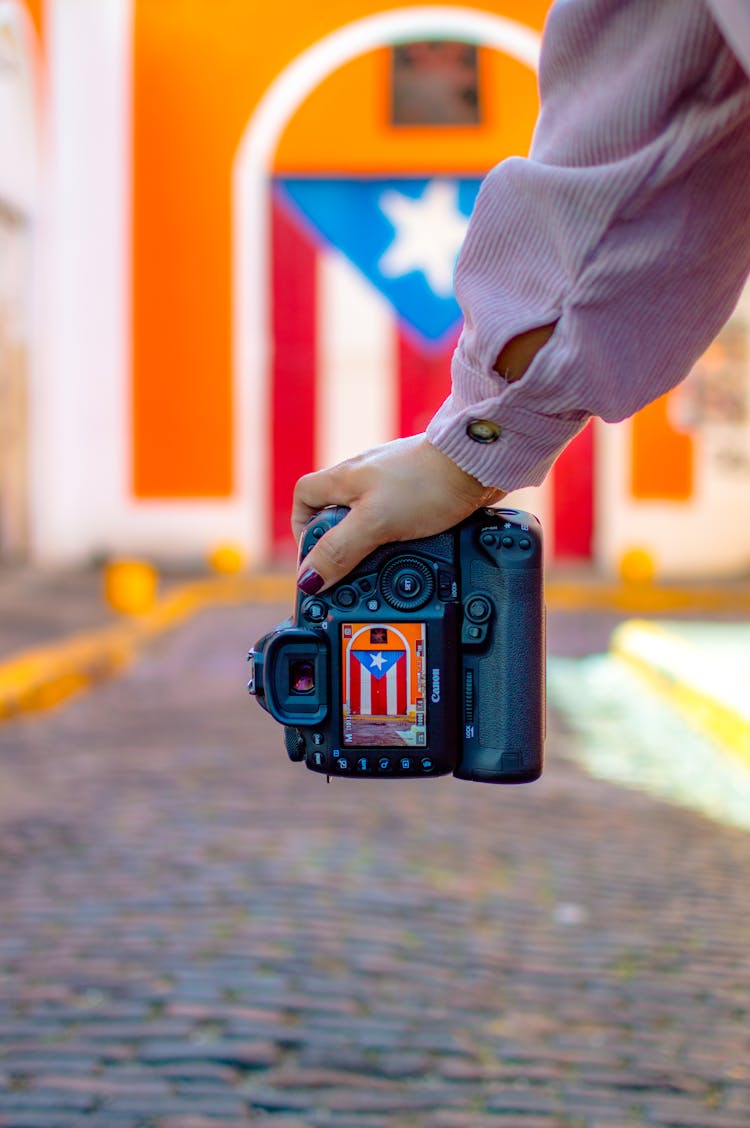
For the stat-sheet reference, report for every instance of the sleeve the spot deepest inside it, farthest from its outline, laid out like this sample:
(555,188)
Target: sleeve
(628,226)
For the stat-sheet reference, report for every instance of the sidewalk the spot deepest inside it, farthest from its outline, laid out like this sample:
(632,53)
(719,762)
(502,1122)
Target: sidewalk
(197,933)
(701,669)
(59,637)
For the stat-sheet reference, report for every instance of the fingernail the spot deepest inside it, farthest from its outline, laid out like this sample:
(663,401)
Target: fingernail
(310,582)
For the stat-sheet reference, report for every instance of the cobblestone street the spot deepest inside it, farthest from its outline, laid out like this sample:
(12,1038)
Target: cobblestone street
(196,933)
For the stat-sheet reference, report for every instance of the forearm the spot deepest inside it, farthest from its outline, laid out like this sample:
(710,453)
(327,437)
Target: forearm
(628,230)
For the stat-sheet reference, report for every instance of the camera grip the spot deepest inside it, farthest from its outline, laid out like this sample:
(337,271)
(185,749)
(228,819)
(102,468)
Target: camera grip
(507,678)
(318,526)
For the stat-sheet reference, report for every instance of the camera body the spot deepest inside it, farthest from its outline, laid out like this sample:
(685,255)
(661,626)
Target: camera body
(427,659)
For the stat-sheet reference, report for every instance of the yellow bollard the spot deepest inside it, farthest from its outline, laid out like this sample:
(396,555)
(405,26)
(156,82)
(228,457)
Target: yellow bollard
(227,559)
(130,586)
(637,566)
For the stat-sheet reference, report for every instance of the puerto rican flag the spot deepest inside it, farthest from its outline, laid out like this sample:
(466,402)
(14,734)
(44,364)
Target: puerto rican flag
(377,682)
(364,318)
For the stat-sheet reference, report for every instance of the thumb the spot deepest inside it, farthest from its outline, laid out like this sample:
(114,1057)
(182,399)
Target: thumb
(337,552)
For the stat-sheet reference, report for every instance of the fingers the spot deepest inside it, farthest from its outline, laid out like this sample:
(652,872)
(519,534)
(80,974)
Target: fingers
(402,490)
(314,492)
(338,552)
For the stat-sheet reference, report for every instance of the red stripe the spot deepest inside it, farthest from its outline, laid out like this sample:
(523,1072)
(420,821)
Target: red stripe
(293,390)
(424,382)
(354,683)
(401,686)
(573,493)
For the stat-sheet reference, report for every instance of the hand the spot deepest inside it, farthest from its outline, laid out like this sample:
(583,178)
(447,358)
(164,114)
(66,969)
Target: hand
(402,490)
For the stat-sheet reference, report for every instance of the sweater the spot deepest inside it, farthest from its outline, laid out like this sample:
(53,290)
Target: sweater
(628,225)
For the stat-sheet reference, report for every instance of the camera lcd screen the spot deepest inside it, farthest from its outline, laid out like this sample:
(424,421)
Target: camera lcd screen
(383,693)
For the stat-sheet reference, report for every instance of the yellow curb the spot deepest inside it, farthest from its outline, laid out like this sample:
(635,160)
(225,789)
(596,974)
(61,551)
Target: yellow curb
(43,677)
(643,599)
(40,678)
(645,647)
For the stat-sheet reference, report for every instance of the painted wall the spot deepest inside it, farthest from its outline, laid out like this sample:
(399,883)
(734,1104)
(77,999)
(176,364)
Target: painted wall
(20,133)
(197,82)
(675,480)
(153,415)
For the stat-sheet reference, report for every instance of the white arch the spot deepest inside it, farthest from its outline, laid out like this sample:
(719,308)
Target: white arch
(20,136)
(250,202)
(19,182)
(355,636)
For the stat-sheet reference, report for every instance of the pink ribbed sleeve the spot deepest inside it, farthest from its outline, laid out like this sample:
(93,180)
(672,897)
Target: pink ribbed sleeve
(628,225)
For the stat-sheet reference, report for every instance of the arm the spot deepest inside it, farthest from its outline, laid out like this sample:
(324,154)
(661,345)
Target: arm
(628,226)
(404,489)
(599,269)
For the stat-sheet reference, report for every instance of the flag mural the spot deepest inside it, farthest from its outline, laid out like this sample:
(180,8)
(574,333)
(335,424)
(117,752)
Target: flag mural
(383,667)
(364,317)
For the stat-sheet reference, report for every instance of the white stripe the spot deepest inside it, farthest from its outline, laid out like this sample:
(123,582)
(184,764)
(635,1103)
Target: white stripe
(365,684)
(356,363)
(392,690)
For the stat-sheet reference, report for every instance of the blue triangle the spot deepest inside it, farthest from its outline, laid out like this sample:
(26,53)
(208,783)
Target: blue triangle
(347,214)
(378,662)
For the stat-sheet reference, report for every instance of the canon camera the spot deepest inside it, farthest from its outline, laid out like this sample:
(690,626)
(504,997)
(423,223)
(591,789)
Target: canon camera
(427,659)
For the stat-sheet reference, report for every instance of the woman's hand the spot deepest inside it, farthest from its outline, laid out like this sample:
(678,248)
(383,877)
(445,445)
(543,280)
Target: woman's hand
(402,490)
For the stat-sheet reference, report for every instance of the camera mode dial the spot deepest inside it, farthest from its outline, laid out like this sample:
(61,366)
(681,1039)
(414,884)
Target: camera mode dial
(407,583)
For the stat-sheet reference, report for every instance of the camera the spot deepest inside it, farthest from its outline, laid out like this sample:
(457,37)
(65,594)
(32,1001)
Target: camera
(427,659)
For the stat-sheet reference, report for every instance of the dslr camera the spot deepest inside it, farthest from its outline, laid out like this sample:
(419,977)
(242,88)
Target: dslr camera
(427,659)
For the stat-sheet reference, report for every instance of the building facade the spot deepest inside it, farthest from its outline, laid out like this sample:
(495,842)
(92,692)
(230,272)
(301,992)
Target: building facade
(226,241)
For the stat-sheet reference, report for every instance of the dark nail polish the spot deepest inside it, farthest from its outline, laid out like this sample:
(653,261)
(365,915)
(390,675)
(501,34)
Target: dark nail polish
(310,582)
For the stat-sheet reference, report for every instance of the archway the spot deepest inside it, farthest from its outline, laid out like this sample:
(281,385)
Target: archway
(251,313)
(18,176)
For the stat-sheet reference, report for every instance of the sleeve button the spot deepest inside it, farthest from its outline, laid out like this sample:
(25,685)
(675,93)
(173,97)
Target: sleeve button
(483,430)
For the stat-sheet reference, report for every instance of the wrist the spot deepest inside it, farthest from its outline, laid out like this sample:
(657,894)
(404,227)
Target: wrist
(517,355)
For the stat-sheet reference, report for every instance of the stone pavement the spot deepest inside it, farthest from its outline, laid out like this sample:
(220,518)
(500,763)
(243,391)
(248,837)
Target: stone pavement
(196,933)
(39,606)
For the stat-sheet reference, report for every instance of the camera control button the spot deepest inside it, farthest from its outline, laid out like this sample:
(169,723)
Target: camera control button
(405,764)
(525,544)
(384,764)
(345,597)
(319,759)
(488,539)
(508,542)
(478,609)
(447,586)
(365,586)
(318,738)
(427,764)
(363,765)
(475,632)
(373,604)
(342,764)
(314,610)
(407,583)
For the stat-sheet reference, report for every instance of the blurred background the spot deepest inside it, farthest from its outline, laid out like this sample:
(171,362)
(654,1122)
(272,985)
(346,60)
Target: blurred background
(227,237)
(225,259)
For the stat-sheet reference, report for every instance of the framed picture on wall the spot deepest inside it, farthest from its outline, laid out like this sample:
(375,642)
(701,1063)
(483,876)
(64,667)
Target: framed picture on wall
(435,83)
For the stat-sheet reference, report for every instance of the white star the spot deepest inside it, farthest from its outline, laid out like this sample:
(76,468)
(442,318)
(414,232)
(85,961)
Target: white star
(429,232)
(377,660)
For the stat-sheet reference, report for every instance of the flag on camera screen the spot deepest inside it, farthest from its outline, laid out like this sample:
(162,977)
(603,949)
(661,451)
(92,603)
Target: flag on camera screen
(382,667)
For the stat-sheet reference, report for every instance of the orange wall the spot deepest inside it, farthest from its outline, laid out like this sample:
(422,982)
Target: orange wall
(199,70)
(344,125)
(35,11)
(662,458)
